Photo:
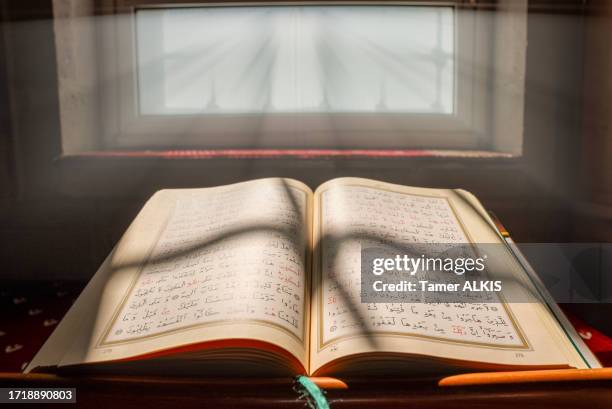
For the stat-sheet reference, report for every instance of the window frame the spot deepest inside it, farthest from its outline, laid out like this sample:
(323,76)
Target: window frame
(469,128)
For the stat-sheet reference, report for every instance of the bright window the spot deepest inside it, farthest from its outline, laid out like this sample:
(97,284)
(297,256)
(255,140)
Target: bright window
(299,76)
(296,59)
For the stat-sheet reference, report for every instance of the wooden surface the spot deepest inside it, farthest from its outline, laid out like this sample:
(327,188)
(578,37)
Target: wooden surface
(118,392)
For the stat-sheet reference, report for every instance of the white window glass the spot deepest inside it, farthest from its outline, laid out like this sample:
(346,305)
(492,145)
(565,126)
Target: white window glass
(293,59)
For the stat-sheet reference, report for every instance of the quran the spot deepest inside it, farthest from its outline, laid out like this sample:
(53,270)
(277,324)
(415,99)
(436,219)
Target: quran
(262,278)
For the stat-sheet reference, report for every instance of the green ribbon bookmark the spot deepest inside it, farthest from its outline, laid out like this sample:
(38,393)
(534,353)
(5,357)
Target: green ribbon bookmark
(315,397)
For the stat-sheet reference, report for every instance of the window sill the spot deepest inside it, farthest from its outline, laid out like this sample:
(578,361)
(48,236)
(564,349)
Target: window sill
(293,153)
(141,173)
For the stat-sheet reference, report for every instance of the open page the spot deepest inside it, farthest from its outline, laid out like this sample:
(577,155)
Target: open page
(352,213)
(204,265)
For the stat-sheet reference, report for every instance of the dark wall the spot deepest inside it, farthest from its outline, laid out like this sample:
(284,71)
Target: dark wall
(594,212)
(60,217)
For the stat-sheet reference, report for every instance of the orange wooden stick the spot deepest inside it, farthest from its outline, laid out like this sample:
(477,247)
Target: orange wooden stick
(325,382)
(548,375)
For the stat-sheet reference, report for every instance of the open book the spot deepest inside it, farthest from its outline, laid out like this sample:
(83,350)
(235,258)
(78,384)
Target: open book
(262,278)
